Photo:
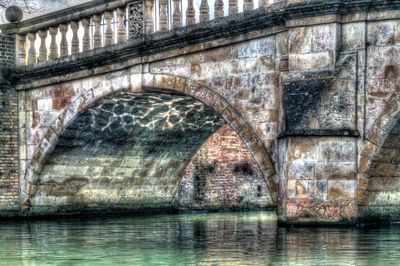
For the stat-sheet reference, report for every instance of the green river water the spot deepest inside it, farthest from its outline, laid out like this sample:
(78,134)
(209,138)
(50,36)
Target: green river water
(251,238)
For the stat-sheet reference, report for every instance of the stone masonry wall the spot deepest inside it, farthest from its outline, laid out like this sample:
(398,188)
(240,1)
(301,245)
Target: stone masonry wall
(7,49)
(223,174)
(9,185)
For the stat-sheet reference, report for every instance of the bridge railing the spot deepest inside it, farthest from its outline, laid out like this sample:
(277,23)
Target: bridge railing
(102,23)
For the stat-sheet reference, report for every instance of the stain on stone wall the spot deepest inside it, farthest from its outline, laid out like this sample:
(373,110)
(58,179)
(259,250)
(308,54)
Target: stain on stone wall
(223,174)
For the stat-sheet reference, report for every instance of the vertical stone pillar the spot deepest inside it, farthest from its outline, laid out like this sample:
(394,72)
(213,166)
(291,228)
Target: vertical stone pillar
(190,13)
(248,5)
(164,15)
(43,48)
(53,44)
(218,8)
(21,57)
(204,11)
(318,149)
(233,7)
(264,3)
(109,34)
(75,38)
(86,35)
(64,42)
(121,34)
(97,36)
(32,49)
(177,16)
(149,24)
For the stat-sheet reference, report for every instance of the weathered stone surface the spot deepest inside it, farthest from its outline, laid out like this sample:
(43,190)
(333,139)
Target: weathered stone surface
(126,150)
(223,174)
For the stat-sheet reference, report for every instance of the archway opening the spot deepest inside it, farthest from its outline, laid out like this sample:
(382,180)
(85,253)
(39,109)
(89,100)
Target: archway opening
(130,151)
(381,199)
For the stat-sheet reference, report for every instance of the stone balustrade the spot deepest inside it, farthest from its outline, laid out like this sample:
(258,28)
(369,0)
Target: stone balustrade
(70,31)
(102,23)
(164,15)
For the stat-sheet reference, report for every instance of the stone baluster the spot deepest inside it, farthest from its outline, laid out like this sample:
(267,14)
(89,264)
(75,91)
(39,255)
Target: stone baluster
(204,11)
(248,5)
(75,38)
(86,35)
(163,15)
(43,48)
(109,33)
(218,8)
(21,49)
(233,7)
(53,43)
(149,25)
(64,42)
(177,16)
(32,50)
(190,13)
(263,3)
(97,33)
(121,34)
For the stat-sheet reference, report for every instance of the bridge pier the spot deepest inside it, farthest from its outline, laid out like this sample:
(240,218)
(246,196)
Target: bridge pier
(318,180)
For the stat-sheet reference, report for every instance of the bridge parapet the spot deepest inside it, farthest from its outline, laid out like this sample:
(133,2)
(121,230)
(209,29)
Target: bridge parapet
(102,23)
(71,31)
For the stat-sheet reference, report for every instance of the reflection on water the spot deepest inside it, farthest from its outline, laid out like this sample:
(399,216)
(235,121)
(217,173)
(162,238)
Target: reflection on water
(197,239)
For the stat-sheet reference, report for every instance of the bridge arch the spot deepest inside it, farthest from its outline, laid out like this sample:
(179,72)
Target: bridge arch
(150,82)
(379,161)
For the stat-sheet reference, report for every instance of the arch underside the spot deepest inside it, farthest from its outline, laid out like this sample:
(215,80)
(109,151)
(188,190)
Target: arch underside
(126,151)
(382,196)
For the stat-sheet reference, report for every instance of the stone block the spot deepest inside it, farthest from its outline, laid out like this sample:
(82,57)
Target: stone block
(300,169)
(45,104)
(325,38)
(341,189)
(381,33)
(303,148)
(330,150)
(302,189)
(300,40)
(311,61)
(318,190)
(335,170)
(383,184)
(353,35)
(382,169)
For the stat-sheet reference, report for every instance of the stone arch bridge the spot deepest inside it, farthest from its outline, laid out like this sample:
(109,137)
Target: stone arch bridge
(104,105)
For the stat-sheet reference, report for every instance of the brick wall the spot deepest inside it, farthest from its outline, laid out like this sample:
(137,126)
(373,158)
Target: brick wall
(223,174)
(9,184)
(7,49)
